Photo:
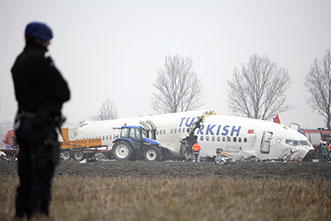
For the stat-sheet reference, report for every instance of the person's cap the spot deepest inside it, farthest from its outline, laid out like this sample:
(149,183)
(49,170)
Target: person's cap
(324,142)
(38,30)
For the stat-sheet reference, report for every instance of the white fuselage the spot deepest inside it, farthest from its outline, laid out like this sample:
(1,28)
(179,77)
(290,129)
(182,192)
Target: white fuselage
(240,137)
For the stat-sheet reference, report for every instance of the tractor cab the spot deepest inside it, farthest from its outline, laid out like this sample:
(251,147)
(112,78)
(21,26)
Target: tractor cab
(133,134)
(133,144)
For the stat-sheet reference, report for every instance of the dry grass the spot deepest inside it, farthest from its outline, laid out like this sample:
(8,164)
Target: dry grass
(102,198)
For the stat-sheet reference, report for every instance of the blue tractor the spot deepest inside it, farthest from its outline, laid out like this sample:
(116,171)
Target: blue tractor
(133,144)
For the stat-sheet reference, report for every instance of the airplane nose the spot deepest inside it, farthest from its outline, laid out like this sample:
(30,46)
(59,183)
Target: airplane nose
(301,152)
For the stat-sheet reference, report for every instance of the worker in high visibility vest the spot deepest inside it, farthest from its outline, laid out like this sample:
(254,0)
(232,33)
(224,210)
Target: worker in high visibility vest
(325,151)
(196,150)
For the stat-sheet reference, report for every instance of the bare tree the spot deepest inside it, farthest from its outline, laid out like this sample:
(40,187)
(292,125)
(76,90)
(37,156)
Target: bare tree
(107,111)
(318,84)
(258,88)
(177,86)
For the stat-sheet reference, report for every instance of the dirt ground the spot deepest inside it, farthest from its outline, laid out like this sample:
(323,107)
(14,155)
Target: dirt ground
(254,170)
(134,191)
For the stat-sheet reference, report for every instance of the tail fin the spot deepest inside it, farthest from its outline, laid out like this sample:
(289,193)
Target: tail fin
(276,119)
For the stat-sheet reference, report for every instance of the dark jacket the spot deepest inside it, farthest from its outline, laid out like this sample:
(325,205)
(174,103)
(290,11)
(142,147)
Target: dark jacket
(38,84)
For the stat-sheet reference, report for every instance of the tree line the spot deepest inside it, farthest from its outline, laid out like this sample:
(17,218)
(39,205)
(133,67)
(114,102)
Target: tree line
(257,89)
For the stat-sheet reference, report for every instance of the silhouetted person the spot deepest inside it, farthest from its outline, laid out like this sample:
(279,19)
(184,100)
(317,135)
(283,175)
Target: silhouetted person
(40,92)
(318,152)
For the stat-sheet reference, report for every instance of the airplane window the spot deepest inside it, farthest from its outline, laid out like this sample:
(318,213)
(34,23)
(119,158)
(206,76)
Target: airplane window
(157,132)
(234,139)
(114,136)
(245,140)
(171,131)
(213,138)
(223,139)
(289,142)
(107,137)
(229,139)
(188,130)
(179,130)
(160,132)
(201,138)
(239,139)
(304,142)
(103,137)
(295,143)
(207,138)
(175,130)
(163,131)
(218,139)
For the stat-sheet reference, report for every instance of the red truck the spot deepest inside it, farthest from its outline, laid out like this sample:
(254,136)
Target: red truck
(316,136)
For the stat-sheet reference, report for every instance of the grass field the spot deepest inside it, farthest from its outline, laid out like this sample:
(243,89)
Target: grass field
(211,198)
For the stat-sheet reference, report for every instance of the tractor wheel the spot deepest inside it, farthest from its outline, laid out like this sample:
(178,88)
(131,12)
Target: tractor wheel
(152,153)
(78,155)
(122,151)
(66,155)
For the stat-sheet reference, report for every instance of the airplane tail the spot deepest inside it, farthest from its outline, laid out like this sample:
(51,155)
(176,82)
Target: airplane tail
(277,119)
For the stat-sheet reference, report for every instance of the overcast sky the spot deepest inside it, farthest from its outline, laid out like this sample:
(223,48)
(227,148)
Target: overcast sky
(112,48)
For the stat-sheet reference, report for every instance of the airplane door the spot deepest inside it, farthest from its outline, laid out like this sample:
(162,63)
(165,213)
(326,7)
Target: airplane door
(232,145)
(265,142)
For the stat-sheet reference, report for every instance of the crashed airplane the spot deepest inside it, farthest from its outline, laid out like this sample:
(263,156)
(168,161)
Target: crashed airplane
(242,138)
